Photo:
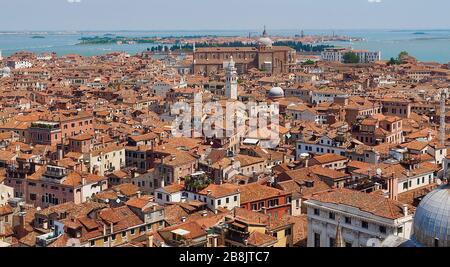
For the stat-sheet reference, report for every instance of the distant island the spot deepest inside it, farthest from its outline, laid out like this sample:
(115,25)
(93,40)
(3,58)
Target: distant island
(115,40)
(298,46)
(38,37)
(419,33)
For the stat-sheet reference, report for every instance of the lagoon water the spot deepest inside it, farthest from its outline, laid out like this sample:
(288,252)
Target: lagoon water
(426,45)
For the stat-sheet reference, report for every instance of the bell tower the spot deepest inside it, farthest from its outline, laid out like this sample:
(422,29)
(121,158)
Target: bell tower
(231,87)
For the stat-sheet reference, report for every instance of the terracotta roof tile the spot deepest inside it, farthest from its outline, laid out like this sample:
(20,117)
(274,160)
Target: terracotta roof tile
(371,203)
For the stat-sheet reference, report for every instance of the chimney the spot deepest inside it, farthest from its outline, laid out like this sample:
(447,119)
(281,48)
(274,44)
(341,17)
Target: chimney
(393,187)
(150,241)
(405,210)
(2,228)
(83,180)
(60,154)
(22,215)
(183,219)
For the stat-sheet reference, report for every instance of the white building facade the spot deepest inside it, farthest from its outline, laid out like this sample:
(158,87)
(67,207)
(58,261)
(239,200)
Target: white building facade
(337,55)
(6,193)
(358,227)
(228,200)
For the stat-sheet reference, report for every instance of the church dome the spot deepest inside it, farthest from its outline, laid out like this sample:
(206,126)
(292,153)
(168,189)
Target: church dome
(432,218)
(266,41)
(276,92)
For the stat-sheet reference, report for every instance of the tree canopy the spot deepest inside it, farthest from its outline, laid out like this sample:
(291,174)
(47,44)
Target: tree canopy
(403,54)
(351,58)
(399,59)
(309,62)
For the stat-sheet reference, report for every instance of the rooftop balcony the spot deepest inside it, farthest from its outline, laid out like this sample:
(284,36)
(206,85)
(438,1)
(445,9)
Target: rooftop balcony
(46,125)
(46,239)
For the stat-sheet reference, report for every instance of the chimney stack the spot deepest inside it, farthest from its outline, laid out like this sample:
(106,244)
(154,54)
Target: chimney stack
(393,187)
(2,228)
(405,210)
(21,215)
(150,241)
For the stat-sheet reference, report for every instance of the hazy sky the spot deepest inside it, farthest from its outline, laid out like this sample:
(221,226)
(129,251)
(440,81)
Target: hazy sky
(222,14)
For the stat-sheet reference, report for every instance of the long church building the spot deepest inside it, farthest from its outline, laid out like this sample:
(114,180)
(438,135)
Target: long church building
(265,57)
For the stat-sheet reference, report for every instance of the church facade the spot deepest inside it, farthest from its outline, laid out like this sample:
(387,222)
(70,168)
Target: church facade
(265,57)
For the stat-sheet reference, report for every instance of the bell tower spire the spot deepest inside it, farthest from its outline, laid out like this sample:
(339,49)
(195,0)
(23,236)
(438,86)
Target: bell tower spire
(231,76)
(265,32)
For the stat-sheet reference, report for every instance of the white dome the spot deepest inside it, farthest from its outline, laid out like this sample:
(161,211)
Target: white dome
(266,41)
(276,92)
(432,218)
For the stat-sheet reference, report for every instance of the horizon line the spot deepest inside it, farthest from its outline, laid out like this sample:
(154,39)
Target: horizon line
(229,30)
